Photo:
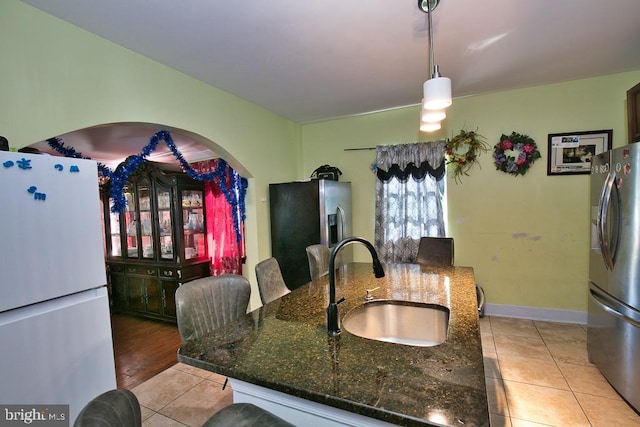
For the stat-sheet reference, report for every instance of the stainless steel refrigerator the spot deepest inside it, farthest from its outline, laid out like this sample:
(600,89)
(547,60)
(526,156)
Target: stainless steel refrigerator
(613,337)
(307,213)
(55,326)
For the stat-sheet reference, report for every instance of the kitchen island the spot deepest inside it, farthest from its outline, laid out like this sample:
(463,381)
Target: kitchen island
(284,348)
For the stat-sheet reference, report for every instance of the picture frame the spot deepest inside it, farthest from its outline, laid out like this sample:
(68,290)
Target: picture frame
(570,153)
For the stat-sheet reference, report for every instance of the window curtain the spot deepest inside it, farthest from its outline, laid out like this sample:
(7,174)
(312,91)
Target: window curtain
(224,220)
(410,190)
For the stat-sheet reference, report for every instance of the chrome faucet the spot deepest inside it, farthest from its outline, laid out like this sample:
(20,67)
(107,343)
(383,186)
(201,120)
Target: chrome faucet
(332,308)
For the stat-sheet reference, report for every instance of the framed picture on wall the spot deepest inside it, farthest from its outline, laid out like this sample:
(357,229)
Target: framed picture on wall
(571,153)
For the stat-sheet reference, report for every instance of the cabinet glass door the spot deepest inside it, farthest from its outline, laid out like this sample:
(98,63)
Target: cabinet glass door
(193,224)
(146,233)
(114,229)
(164,222)
(130,222)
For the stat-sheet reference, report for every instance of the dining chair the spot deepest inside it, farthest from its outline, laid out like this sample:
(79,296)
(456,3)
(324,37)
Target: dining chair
(318,256)
(205,304)
(435,251)
(114,408)
(120,408)
(245,415)
(270,282)
(440,251)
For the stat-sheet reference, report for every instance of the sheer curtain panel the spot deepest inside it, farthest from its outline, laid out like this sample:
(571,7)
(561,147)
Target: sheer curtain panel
(410,198)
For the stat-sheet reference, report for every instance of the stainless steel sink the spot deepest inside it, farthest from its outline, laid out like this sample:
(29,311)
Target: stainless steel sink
(399,322)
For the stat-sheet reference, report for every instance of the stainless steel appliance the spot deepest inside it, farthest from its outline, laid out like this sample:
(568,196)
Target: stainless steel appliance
(307,213)
(55,326)
(613,337)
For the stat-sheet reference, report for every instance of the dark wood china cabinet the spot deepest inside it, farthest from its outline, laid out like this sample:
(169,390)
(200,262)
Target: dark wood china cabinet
(157,243)
(633,113)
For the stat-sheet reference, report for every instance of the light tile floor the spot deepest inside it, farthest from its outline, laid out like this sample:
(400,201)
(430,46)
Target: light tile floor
(182,396)
(537,374)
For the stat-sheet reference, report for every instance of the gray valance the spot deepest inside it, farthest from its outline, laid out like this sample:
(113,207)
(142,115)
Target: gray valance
(415,160)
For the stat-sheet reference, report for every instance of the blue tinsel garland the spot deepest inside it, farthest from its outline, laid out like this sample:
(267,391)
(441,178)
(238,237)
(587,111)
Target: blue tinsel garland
(234,192)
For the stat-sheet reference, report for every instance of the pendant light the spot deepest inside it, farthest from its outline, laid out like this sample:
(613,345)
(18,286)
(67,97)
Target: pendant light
(429,126)
(437,89)
(432,115)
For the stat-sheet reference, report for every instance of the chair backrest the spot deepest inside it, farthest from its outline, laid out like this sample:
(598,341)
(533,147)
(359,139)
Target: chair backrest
(318,260)
(113,408)
(245,415)
(205,304)
(270,282)
(435,251)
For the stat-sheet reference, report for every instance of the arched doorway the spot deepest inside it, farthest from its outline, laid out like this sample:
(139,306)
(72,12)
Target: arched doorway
(141,348)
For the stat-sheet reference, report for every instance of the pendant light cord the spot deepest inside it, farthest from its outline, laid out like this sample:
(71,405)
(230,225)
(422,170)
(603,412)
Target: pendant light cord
(433,67)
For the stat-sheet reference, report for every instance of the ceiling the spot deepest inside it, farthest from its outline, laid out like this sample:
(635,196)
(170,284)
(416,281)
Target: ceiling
(112,143)
(310,61)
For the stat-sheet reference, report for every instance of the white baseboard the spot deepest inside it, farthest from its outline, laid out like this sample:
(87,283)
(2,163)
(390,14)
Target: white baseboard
(535,313)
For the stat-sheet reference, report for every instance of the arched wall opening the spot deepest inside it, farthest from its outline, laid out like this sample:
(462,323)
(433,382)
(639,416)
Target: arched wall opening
(112,143)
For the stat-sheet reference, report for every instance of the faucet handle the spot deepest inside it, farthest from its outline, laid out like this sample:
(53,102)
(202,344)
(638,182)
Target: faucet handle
(369,297)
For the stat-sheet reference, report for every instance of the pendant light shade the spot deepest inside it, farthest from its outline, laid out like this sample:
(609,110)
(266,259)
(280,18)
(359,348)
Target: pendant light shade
(429,126)
(436,90)
(432,115)
(437,93)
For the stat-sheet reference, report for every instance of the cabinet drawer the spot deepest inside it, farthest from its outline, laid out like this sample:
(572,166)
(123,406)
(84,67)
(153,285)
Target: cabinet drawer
(116,268)
(142,270)
(170,272)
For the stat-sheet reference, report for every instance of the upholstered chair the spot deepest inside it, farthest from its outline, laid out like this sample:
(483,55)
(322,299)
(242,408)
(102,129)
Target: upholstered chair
(318,256)
(245,415)
(270,282)
(435,251)
(120,408)
(113,408)
(439,251)
(205,304)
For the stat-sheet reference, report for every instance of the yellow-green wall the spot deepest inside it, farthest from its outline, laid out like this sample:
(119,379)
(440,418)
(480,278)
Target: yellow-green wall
(57,78)
(525,236)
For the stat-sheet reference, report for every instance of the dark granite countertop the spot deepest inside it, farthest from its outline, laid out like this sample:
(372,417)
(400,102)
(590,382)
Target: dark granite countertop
(284,346)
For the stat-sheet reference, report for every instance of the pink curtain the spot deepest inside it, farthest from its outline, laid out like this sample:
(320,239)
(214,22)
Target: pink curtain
(226,252)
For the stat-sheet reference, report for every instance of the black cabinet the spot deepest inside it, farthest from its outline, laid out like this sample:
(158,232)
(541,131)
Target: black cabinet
(157,243)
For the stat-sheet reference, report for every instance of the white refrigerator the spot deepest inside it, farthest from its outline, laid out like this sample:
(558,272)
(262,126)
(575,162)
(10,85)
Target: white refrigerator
(55,332)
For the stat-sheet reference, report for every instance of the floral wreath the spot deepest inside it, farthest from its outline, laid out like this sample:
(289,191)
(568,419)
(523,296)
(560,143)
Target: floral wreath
(515,165)
(460,164)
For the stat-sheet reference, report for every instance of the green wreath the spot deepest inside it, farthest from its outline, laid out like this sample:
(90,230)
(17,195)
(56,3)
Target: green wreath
(515,165)
(459,160)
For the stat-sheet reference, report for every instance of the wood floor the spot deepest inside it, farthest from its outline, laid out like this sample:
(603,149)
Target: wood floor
(142,348)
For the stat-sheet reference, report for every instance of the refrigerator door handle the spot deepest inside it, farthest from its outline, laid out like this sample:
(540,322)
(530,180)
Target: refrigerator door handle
(601,301)
(603,221)
(341,223)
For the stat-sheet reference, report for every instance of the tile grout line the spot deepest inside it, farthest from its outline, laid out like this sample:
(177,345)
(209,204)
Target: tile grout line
(189,372)
(493,341)
(555,361)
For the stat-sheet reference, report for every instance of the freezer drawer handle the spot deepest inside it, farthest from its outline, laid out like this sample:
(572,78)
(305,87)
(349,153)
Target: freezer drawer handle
(610,310)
